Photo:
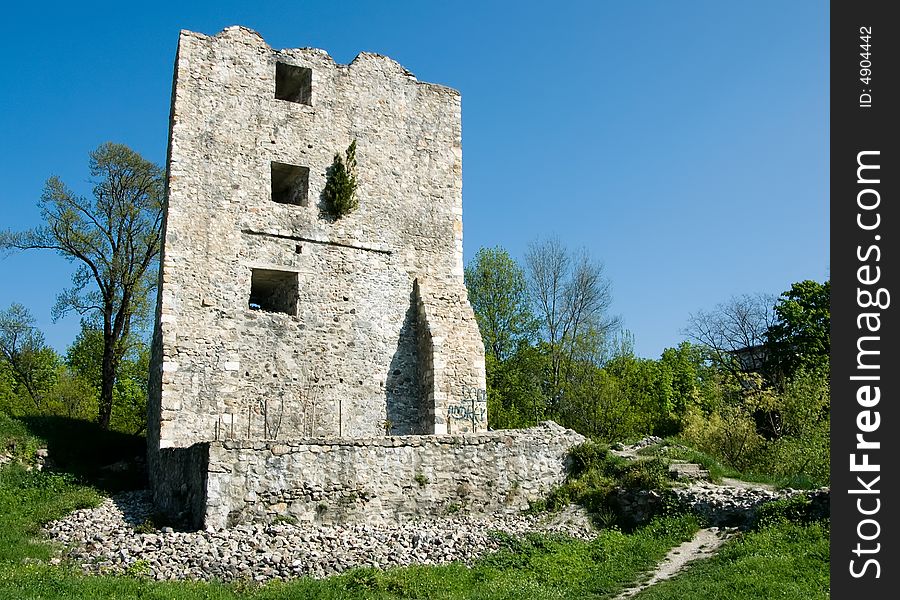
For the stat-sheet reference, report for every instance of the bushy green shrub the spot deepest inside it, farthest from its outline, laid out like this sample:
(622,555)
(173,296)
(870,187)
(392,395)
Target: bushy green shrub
(795,509)
(729,432)
(340,186)
(587,456)
(647,474)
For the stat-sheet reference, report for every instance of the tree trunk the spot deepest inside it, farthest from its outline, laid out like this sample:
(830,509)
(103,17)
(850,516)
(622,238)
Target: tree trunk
(107,383)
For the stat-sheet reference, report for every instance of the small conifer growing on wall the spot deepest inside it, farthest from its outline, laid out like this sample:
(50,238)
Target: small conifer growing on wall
(340,186)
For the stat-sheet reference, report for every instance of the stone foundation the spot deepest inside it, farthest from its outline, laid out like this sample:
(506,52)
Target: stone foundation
(375,480)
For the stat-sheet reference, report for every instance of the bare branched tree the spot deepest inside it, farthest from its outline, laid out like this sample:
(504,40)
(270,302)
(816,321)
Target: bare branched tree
(572,297)
(734,332)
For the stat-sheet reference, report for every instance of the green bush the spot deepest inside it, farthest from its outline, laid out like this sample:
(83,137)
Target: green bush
(340,185)
(594,476)
(647,474)
(795,509)
(587,456)
(729,433)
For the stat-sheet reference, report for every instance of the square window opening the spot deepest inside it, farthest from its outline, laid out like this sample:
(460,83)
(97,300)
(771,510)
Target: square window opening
(290,184)
(293,83)
(274,291)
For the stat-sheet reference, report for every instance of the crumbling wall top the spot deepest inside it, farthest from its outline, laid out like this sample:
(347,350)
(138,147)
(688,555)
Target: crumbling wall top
(362,60)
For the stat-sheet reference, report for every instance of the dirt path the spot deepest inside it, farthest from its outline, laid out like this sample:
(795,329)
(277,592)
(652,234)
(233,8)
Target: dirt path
(746,485)
(705,543)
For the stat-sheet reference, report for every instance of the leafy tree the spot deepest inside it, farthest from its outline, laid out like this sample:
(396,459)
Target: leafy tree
(340,186)
(800,338)
(801,453)
(684,378)
(114,237)
(31,364)
(71,396)
(515,387)
(85,356)
(594,404)
(85,359)
(499,295)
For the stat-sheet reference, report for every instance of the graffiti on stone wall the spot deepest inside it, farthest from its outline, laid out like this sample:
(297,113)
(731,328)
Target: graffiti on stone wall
(474,407)
(460,412)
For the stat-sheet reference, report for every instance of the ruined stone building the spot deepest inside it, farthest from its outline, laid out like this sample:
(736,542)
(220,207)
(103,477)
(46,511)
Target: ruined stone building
(300,359)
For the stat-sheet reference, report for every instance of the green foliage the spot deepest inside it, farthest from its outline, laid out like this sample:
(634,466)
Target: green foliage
(586,457)
(633,397)
(647,474)
(33,378)
(673,450)
(800,456)
(339,194)
(729,432)
(763,433)
(514,388)
(421,479)
(130,398)
(794,509)
(85,359)
(498,293)
(147,526)
(285,519)
(139,569)
(29,365)
(595,474)
(595,404)
(801,336)
(17,440)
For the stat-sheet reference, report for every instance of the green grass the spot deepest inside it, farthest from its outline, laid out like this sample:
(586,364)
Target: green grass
(783,560)
(30,498)
(16,439)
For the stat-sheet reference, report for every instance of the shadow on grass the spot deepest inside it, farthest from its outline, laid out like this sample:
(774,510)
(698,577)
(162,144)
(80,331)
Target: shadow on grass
(110,461)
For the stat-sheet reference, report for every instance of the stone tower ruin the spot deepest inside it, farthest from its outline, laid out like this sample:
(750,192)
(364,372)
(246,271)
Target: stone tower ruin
(278,320)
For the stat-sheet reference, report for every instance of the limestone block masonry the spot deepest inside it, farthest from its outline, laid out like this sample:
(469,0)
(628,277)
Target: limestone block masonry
(385,479)
(278,321)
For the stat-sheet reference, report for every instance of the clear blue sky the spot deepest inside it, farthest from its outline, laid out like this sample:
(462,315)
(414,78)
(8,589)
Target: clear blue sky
(684,144)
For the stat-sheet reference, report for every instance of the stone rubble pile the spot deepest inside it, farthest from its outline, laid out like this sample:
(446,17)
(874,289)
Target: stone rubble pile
(104,540)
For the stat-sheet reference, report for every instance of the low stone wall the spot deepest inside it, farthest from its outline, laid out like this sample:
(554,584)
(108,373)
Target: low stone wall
(385,479)
(719,505)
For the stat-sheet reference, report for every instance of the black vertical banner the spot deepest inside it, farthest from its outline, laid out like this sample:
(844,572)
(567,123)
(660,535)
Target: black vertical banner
(865,337)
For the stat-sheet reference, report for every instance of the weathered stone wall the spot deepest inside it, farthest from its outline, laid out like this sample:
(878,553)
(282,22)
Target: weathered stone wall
(384,479)
(345,360)
(451,358)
